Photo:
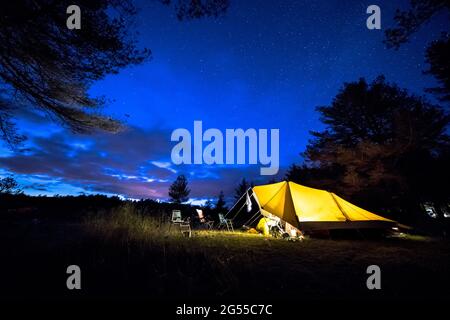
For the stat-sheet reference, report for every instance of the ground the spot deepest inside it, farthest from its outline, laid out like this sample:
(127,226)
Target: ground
(126,262)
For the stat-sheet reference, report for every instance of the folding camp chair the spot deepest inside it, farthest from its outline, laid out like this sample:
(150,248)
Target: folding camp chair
(208,223)
(184,225)
(276,230)
(223,222)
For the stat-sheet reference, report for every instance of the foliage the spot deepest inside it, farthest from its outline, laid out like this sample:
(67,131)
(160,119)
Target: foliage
(128,220)
(8,129)
(45,65)
(194,9)
(242,188)
(9,185)
(179,191)
(380,145)
(220,206)
(437,56)
(437,53)
(410,21)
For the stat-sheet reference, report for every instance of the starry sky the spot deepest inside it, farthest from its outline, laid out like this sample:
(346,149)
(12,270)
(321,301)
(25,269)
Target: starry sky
(265,64)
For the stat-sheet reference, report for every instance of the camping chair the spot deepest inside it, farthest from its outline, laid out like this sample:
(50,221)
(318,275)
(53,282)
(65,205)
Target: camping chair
(276,229)
(225,222)
(203,220)
(184,225)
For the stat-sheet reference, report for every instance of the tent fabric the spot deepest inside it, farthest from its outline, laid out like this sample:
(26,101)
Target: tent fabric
(276,199)
(305,207)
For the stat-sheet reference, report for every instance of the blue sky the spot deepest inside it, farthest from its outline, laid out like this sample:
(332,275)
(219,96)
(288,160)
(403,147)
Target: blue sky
(265,64)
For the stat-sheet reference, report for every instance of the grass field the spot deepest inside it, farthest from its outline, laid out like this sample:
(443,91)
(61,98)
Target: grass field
(125,255)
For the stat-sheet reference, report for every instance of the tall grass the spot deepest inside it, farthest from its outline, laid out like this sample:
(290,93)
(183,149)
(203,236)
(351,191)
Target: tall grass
(129,223)
(171,263)
(128,252)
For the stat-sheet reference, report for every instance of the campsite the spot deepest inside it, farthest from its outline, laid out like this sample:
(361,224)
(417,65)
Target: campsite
(206,158)
(128,249)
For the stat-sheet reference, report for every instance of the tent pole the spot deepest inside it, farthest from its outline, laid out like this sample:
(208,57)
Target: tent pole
(245,203)
(236,202)
(253,217)
(257,217)
(239,211)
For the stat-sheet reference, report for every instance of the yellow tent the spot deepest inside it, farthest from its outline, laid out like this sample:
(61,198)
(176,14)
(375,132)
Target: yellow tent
(308,208)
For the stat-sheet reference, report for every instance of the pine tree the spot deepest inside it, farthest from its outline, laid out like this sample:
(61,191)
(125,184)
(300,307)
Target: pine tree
(9,185)
(241,189)
(220,204)
(179,191)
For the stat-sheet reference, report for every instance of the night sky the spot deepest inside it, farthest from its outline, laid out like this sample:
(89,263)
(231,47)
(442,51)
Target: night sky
(265,64)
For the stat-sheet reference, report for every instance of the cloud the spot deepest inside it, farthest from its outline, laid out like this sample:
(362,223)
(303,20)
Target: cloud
(134,163)
(164,165)
(117,164)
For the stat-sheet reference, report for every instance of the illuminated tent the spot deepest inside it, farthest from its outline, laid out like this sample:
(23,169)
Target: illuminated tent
(312,209)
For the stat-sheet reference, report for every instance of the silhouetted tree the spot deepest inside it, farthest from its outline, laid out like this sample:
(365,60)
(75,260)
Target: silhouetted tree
(410,21)
(179,191)
(9,185)
(8,130)
(242,189)
(437,53)
(193,9)
(322,177)
(220,204)
(45,65)
(208,205)
(437,56)
(378,140)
